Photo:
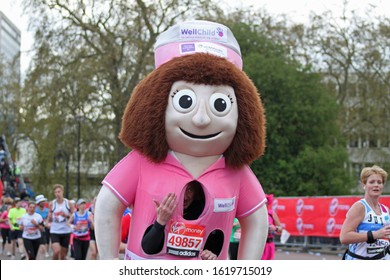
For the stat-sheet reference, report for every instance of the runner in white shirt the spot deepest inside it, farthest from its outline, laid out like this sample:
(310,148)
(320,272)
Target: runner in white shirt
(32,224)
(60,210)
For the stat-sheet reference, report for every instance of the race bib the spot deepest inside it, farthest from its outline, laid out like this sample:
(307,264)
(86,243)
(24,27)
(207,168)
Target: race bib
(237,235)
(32,232)
(58,218)
(185,240)
(82,227)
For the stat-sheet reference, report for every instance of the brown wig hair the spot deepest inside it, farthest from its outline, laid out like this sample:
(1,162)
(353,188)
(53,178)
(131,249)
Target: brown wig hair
(143,123)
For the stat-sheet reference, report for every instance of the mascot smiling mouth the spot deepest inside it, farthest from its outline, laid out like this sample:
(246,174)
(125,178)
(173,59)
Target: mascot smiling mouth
(199,136)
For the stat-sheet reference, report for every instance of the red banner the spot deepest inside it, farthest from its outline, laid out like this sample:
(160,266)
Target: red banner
(315,216)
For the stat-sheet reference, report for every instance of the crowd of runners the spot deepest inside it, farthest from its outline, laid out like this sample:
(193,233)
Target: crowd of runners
(39,229)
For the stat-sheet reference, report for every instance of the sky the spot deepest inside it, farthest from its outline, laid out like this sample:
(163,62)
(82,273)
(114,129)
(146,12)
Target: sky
(297,10)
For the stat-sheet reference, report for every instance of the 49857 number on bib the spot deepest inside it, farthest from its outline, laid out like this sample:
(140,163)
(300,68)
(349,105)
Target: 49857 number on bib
(185,240)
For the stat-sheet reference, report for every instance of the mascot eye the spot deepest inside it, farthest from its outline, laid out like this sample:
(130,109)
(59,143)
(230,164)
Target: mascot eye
(220,104)
(184,100)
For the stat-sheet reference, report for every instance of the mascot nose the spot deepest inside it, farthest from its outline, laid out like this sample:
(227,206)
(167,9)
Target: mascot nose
(201,118)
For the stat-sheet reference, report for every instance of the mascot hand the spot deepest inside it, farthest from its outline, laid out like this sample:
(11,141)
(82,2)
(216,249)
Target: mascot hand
(165,209)
(208,255)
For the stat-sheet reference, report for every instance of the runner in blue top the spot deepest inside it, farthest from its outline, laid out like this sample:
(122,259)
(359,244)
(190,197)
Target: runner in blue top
(42,210)
(81,222)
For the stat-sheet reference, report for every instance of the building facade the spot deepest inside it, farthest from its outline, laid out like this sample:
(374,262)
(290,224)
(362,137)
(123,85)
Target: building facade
(366,114)
(10,41)
(10,45)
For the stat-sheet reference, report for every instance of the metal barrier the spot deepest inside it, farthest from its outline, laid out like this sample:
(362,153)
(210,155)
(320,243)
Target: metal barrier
(329,245)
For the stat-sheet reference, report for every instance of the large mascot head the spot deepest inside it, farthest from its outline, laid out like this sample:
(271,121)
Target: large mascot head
(198,101)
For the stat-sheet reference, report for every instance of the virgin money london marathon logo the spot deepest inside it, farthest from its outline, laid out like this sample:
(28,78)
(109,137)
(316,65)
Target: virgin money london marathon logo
(299,207)
(330,225)
(333,207)
(178,228)
(299,225)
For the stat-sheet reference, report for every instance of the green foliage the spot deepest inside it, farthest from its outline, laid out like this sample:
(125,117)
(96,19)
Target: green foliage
(88,59)
(305,154)
(10,102)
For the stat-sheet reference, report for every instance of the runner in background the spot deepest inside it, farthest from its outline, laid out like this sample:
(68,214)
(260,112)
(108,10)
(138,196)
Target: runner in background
(71,253)
(42,210)
(92,242)
(367,226)
(5,227)
(14,216)
(126,220)
(31,224)
(274,227)
(60,210)
(234,240)
(81,222)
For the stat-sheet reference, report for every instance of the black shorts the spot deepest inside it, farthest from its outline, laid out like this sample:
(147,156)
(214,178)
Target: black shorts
(45,238)
(63,239)
(16,234)
(92,235)
(6,235)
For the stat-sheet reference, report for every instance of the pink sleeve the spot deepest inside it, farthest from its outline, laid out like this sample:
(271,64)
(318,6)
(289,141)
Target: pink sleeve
(4,215)
(252,196)
(123,179)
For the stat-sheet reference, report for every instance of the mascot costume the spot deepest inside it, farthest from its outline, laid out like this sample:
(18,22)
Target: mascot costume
(196,117)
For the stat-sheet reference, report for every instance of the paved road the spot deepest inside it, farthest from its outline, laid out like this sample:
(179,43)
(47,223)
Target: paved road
(299,255)
(280,255)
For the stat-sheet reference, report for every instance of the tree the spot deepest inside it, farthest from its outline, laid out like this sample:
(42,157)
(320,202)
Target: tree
(89,57)
(305,154)
(10,101)
(353,53)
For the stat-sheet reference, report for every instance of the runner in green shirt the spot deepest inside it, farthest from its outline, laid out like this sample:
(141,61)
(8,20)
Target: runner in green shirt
(14,216)
(234,240)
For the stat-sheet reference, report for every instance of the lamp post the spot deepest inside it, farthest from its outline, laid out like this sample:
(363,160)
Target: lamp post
(78,119)
(63,155)
(67,176)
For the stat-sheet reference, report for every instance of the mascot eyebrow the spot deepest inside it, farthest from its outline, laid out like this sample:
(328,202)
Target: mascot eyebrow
(174,93)
(228,94)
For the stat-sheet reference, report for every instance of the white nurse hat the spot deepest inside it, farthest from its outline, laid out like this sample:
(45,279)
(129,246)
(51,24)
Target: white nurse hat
(197,36)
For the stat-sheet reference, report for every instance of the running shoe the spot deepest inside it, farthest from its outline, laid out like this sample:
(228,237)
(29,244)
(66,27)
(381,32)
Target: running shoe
(22,256)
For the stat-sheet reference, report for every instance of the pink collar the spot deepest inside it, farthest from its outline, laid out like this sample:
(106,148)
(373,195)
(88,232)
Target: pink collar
(172,160)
